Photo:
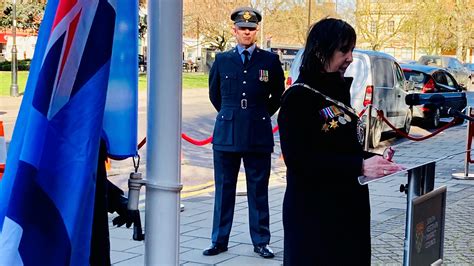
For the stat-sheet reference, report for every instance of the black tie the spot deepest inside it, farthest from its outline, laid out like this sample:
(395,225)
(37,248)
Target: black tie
(246,57)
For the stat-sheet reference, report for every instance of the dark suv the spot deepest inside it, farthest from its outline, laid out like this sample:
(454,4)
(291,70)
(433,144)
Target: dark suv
(451,64)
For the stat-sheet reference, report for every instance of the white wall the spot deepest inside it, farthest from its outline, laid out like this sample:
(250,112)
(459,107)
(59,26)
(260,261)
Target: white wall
(25,46)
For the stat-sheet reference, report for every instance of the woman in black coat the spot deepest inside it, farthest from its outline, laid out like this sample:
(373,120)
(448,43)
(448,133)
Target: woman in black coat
(326,213)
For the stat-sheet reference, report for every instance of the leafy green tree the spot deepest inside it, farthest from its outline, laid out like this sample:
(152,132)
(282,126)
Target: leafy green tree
(142,19)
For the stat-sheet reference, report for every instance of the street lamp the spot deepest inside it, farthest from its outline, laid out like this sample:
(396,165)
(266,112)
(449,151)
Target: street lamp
(14,85)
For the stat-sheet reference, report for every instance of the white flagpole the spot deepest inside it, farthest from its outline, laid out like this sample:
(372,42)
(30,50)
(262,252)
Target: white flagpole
(163,132)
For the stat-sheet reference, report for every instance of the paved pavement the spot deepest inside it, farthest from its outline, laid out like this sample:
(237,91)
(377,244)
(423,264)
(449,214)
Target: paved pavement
(388,207)
(387,203)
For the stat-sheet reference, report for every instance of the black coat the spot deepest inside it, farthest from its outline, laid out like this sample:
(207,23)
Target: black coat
(326,213)
(246,98)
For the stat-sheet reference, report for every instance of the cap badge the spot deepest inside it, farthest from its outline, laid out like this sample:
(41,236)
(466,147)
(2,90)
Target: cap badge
(246,15)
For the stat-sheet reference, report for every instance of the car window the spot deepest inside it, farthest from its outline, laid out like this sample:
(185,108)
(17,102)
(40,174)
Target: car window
(398,74)
(454,63)
(457,64)
(431,61)
(357,70)
(424,60)
(416,77)
(440,78)
(450,81)
(382,73)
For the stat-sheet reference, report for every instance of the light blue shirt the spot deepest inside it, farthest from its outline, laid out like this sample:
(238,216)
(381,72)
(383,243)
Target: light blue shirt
(240,49)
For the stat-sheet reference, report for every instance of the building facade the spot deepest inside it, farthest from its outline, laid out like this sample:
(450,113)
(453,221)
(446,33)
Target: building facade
(408,29)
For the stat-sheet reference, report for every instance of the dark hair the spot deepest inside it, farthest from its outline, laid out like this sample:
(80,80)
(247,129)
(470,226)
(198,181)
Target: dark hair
(324,38)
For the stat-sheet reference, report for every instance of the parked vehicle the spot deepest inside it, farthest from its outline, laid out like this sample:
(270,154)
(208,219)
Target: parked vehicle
(141,63)
(295,68)
(378,80)
(451,64)
(189,66)
(470,67)
(408,62)
(429,79)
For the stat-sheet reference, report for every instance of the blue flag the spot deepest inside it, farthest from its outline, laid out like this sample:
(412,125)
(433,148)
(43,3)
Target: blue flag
(47,192)
(121,108)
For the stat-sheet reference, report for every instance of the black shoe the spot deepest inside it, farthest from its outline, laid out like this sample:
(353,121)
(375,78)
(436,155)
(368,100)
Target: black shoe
(264,251)
(214,250)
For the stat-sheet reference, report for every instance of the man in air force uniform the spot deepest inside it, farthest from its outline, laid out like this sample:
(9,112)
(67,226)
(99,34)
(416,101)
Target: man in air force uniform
(245,85)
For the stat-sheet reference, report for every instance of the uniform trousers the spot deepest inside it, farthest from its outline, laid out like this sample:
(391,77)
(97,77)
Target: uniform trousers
(257,171)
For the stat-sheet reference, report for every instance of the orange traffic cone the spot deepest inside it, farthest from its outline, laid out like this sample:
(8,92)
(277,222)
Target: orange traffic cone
(108,164)
(3,150)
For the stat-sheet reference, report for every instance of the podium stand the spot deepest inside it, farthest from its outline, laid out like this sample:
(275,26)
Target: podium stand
(425,215)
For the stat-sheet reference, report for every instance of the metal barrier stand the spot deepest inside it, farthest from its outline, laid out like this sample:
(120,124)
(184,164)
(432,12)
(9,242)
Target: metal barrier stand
(470,127)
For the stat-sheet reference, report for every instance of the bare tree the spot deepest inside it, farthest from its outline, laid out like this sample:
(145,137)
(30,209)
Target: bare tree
(379,22)
(287,20)
(428,28)
(462,26)
(210,20)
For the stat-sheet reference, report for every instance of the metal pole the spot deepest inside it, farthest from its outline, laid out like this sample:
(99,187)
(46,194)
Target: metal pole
(466,175)
(14,84)
(163,132)
(309,13)
(468,136)
(368,125)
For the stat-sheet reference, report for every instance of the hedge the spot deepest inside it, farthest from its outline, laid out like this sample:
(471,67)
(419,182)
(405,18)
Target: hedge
(22,65)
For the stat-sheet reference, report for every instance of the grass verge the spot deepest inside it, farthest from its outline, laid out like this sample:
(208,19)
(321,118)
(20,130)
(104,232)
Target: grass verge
(190,81)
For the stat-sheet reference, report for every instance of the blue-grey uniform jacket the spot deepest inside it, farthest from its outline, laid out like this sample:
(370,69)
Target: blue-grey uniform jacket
(246,98)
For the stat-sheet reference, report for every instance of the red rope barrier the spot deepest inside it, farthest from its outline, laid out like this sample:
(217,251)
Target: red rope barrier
(195,141)
(140,145)
(403,134)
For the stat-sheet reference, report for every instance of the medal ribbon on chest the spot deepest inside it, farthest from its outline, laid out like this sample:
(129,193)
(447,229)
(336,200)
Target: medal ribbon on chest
(263,75)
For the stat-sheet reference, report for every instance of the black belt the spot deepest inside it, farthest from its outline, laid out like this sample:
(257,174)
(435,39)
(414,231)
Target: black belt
(243,104)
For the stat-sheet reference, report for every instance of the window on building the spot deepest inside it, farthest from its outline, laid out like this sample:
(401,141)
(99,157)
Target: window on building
(407,53)
(391,26)
(390,51)
(373,26)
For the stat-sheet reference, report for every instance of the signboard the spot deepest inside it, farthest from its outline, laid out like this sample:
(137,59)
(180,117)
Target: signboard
(427,228)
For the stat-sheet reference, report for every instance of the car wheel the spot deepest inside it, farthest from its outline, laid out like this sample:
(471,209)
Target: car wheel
(375,133)
(435,117)
(408,119)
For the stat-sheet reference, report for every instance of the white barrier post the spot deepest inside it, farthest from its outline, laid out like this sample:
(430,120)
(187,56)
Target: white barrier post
(368,125)
(466,175)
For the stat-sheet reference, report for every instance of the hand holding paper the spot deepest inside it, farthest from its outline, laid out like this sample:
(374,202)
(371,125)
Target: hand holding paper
(379,166)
